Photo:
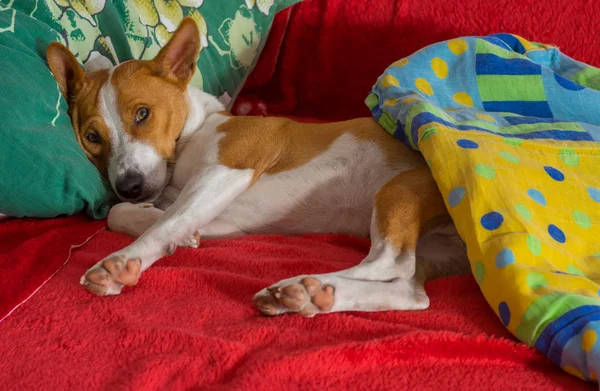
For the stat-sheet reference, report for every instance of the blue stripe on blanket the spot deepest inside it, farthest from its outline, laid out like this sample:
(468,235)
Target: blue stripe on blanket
(533,120)
(554,134)
(512,42)
(496,41)
(533,109)
(377,112)
(556,335)
(491,64)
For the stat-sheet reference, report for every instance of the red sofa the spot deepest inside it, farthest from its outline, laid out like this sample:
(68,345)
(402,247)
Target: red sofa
(190,323)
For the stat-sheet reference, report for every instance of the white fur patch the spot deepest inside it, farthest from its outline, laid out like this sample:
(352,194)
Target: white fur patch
(334,192)
(128,154)
(200,106)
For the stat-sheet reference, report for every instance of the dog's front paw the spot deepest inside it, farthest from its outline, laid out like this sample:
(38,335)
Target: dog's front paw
(109,276)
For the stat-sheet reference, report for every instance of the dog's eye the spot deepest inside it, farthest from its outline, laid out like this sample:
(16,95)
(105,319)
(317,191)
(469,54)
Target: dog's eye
(141,114)
(93,137)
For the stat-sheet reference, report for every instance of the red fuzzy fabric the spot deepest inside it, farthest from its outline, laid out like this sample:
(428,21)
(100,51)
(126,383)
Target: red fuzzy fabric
(32,250)
(190,323)
(334,50)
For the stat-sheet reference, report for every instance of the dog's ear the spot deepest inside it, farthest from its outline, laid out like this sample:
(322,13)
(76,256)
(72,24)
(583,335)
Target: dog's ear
(65,68)
(177,60)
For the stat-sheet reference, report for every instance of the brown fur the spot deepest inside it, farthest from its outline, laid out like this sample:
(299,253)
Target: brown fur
(407,206)
(158,85)
(85,117)
(272,145)
(139,86)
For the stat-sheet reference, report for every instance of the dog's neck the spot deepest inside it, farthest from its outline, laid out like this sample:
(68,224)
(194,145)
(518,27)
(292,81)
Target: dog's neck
(200,107)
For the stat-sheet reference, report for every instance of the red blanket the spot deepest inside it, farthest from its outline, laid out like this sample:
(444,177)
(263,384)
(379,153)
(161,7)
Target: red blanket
(190,323)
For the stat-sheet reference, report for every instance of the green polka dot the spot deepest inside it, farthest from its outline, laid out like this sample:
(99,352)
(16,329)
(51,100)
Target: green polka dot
(534,245)
(573,270)
(429,163)
(479,272)
(510,157)
(523,212)
(569,157)
(536,281)
(597,254)
(581,219)
(485,171)
(513,141)
(426,135)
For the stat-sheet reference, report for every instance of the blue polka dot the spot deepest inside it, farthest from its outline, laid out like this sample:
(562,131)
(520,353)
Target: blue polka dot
(468,144)
(598,292)
(492,221)
(504,312)
(456,196)
(567,84)
(594,193)
(554,173)
(504,258)
(556,233)
(537,196)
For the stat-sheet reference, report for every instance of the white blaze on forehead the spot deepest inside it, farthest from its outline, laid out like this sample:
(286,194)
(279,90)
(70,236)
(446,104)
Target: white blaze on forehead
(109,111)
(127,153)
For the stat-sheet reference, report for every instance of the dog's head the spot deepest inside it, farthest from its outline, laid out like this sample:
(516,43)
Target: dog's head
(128,118)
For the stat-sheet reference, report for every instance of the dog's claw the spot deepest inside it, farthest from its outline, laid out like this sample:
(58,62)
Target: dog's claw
(193,241)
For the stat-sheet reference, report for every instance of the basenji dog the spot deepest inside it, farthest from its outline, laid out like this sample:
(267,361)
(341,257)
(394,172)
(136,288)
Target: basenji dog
(186,169)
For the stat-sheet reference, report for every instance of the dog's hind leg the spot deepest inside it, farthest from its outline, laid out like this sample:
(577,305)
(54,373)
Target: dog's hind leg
(389,278)
(132,219)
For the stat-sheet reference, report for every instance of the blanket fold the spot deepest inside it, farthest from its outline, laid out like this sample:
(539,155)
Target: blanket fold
(510,129)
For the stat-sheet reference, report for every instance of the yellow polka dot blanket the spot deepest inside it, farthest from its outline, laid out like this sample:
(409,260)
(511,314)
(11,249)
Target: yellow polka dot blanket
(510,130)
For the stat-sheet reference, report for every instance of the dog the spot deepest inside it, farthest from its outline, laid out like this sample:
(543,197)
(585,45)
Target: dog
(186,169)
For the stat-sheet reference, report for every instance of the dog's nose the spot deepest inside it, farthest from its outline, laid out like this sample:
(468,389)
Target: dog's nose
(130,185)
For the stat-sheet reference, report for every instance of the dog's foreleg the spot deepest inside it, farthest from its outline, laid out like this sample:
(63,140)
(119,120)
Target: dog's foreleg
(135,219)
(202,200)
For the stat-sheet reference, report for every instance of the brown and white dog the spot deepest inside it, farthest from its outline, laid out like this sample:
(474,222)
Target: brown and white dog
(186,170)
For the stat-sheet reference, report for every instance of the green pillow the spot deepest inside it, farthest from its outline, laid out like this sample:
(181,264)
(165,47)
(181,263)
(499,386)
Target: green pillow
(43,171)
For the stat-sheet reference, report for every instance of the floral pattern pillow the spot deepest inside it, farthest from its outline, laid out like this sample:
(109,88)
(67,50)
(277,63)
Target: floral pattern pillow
(104,32)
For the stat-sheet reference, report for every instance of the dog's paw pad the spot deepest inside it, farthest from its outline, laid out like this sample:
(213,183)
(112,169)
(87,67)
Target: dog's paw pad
(307,297)
(110,275)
